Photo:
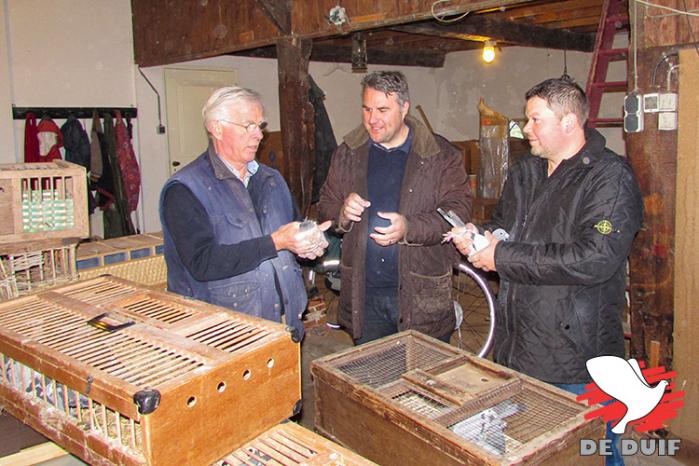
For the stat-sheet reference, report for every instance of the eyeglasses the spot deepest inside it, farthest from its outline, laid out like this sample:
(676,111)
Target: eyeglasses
(250,127)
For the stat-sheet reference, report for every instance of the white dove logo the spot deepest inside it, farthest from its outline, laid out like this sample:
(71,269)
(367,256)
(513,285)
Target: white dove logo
(624,381)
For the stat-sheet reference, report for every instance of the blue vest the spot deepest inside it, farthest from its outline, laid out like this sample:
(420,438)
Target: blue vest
(233,219)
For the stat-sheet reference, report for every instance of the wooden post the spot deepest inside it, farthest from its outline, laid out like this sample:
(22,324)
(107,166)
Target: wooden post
(653,156)
(296,115)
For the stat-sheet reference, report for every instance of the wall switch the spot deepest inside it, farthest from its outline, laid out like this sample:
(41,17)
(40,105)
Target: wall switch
(667,102)
(650,102)
(667,121)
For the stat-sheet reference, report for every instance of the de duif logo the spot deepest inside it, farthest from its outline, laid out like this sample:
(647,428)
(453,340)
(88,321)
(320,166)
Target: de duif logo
(642,398)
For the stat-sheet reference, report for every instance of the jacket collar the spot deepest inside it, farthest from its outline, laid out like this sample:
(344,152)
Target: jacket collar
(222,172)
(590,152)
(424,142)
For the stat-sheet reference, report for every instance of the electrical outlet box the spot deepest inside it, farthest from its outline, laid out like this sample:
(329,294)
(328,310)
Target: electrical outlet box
(667,121)
(633,113)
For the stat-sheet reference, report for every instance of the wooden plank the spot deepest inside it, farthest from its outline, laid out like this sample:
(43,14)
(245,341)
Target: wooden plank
(34,455)
(660,27)
(652,154)
(686,290)
(279,11)
(297,114)
(481,27)
(181,30)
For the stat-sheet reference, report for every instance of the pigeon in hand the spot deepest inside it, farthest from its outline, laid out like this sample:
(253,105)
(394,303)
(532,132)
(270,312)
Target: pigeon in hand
(624,381)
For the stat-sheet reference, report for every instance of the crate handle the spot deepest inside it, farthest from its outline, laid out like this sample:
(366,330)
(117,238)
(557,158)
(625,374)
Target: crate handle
(97,322)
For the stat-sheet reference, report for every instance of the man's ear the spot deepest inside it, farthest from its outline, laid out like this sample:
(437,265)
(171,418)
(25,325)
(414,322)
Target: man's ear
(570,121)
(215,129)
(405,109)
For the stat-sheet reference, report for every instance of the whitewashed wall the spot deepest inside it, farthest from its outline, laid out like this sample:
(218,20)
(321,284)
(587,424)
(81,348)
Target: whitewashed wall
(80,53)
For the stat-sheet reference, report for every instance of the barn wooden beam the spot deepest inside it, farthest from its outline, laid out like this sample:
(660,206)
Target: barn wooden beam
(481,28)
(296,117)
(279,11)
(343,54)
(173,31)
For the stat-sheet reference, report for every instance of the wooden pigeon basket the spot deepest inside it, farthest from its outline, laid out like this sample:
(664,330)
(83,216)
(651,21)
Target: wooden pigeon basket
(289,444)
(40,201)
(410,399)
(119,374)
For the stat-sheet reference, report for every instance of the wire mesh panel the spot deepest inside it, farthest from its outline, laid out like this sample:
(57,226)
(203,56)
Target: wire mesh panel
(443,405)
(386,364)
(119,374)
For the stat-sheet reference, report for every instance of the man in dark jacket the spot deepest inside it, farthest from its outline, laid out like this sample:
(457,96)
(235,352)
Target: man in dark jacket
(382,192)
(229,226)
(572,209)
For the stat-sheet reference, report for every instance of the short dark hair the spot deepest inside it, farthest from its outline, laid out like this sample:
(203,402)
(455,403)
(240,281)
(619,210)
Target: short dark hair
(389,82)
(563,96)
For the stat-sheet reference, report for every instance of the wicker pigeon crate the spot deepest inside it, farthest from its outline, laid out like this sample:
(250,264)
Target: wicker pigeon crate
(119,374)
(149,271)
(43,201)
(289,444)
(93,254)
(409,399)
(34,265)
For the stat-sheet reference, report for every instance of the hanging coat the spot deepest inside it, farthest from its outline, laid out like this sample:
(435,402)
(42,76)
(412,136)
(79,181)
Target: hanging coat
(31,139)
(77,146)
(130,173)
(117,221)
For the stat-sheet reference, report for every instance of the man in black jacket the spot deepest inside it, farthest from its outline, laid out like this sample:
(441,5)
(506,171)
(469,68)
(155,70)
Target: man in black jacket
(572,209)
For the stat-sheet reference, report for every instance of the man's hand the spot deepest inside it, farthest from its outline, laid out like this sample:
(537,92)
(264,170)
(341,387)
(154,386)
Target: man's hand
(485,260)
(393,233)
(303,244)
(352,209)
(462,238)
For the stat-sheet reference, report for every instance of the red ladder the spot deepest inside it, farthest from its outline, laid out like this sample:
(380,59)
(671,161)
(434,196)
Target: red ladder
(614,19)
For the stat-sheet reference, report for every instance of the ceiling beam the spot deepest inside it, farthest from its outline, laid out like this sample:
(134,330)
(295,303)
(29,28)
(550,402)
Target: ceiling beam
(480,28)
(432,58)
(279,11)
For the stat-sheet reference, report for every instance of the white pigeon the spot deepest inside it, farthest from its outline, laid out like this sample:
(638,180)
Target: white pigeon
(624,381)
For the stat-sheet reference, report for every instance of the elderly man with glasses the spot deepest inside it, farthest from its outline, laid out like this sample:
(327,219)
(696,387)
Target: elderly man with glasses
(230,224)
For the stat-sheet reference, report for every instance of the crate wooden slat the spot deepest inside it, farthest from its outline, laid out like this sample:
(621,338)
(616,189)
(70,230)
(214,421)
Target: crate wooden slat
(149,271)
(289,444)
(222,377)
(34,265)
(43,201)
(410,399)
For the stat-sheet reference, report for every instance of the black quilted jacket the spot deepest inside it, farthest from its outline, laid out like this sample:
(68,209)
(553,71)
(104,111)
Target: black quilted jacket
(563,272)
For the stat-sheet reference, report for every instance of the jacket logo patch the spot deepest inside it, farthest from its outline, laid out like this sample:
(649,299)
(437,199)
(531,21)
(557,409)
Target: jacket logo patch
(604,227)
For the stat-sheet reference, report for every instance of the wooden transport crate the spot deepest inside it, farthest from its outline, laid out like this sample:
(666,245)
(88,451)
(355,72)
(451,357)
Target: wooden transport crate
(42,201)
(33,265)
(119,374)
(149,271)
(93,254)
(409,399)
(289,444)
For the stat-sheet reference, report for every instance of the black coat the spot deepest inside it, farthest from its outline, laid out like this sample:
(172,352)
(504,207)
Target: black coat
(563,272)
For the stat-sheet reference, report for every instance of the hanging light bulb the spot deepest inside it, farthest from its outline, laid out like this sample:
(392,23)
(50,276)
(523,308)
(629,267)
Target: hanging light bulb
(359,55)
(488,51)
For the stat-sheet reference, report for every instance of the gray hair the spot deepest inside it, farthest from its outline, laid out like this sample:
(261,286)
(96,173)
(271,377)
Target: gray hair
(388,82)
(563,96)
(216,108)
